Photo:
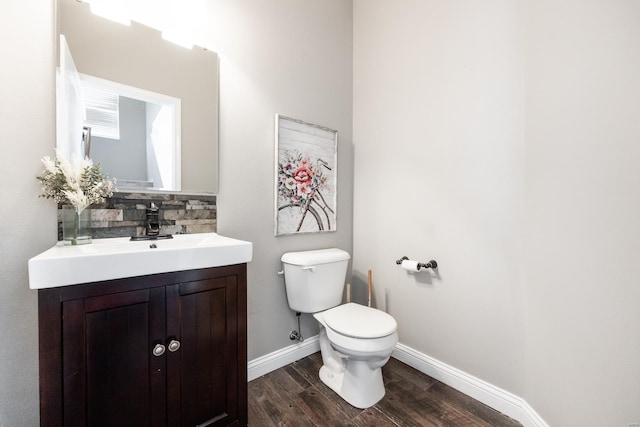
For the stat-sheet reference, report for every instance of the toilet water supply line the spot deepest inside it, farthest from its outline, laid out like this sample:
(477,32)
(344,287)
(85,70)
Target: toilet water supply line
(295,334)
(369,286)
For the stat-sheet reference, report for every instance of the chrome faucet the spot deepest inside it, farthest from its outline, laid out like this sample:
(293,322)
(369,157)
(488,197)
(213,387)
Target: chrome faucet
(153,220)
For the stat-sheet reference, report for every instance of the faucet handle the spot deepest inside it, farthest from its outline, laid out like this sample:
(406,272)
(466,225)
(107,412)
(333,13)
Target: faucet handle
(153,222)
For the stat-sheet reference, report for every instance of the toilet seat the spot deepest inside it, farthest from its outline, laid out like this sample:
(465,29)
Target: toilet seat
(358,321)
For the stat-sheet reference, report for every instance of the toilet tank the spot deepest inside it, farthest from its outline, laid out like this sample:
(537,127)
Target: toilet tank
(314,280)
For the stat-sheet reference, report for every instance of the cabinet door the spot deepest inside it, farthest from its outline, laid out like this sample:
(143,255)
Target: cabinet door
(203,316)
(110,375)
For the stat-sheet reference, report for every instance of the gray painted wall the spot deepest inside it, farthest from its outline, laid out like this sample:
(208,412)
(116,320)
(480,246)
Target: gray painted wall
(438,152)
(27,223)
(292,58)
(501,138)
(582,206)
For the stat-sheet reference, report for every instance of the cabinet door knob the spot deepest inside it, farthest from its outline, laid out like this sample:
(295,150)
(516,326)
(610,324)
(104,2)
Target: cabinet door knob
(174,345)
(158,350)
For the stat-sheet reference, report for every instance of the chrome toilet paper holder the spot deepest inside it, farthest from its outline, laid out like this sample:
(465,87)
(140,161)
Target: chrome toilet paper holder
(431,264)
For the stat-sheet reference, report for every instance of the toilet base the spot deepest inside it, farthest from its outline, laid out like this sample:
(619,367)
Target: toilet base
(352,367)
(359,385)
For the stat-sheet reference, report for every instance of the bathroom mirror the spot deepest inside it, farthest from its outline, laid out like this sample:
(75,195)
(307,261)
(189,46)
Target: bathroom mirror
(136,57)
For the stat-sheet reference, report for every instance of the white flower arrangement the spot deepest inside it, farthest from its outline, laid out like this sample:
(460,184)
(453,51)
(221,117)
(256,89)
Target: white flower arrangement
(74,181)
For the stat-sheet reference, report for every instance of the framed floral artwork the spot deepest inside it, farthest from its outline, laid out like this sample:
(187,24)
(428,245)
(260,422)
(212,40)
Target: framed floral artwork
(306,167)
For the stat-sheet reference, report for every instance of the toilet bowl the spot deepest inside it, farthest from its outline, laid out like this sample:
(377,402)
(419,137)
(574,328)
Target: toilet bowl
(355,341)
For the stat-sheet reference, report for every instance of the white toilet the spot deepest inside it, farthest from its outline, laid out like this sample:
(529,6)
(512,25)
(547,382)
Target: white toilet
(355,340)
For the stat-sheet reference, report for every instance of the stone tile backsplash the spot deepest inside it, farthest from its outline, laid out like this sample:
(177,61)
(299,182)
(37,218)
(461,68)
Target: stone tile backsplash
(124,214)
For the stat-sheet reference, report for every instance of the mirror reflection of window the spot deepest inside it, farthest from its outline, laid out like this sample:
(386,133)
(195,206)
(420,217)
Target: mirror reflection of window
(102,112)
(132,134)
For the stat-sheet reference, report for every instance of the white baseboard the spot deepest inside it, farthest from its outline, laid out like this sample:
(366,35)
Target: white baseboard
(530,418)
(492,396)
(279,358)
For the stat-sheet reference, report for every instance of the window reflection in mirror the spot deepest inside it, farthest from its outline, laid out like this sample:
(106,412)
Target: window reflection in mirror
(135,134)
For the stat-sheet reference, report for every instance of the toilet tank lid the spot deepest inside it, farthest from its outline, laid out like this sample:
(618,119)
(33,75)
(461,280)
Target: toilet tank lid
(318,256)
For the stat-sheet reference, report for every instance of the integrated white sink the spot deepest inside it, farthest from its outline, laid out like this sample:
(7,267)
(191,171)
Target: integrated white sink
(106,259)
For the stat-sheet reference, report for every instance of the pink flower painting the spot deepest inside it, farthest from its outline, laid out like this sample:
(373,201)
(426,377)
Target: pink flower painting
(305,185)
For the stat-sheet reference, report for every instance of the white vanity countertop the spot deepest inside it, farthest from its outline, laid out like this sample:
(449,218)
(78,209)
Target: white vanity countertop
(114,258)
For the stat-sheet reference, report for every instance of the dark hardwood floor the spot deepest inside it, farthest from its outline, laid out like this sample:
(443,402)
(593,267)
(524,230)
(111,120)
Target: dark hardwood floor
(295,396)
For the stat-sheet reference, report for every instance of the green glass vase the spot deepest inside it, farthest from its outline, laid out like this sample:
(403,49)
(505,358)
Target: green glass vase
(76,227)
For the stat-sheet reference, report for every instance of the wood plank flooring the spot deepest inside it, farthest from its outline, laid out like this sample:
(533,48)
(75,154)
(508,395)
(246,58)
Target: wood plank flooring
(295,396)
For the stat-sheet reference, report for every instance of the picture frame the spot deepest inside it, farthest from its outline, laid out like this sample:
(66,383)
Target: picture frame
(306,159)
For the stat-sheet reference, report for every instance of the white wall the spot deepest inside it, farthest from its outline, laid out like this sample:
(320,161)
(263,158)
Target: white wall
(438,137)
(278,57)
(502,139)
(583,211)
(27,223)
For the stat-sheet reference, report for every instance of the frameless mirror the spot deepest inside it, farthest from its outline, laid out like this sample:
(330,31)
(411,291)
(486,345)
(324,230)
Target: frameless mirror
(152,79)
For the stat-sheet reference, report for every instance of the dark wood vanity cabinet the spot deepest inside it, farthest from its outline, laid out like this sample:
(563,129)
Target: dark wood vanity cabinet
(159,350)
